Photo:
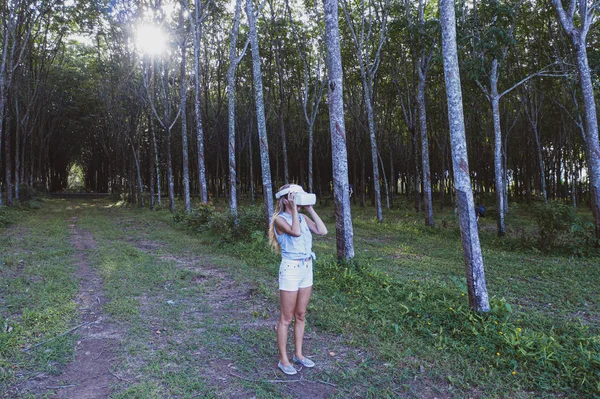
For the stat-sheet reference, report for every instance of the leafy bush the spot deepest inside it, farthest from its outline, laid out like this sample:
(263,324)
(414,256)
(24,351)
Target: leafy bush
(584,240)
(27,193)
(204,218)
(4,220)
(197,219)
(554,221)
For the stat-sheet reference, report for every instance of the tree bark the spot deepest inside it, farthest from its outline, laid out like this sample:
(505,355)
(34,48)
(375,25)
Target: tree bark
(532,106)
(156,160)
(197,26)
(424,148)
(341,192)
(233,63)
(183,107)
(478,296)
(498,169)
(578,35)
(368,73)
(260,115)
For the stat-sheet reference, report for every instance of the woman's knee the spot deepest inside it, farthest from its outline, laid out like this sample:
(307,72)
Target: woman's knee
(285,320)
(300,315)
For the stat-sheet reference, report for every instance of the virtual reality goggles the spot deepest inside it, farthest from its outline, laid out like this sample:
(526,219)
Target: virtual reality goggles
(302,198)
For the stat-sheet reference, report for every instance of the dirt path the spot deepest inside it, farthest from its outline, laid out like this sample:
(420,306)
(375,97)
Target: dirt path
(89,375)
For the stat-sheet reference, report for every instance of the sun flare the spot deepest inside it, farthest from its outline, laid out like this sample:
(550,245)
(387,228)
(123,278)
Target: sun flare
(151,39)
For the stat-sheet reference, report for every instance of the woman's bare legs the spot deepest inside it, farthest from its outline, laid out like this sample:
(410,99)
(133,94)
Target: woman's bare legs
(287,305)
(292,305)
(300,319)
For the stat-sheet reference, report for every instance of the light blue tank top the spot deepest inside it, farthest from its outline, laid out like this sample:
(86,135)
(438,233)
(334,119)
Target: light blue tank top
(295,247)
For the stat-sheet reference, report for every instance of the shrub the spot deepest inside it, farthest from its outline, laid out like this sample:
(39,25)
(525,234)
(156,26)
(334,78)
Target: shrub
(27,193)
(584,240)
(204,218)
(197,219)
(251,220)
(554,221)
(3,217)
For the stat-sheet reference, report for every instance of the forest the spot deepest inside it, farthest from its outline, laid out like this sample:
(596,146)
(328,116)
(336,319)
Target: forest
(467,120)
(146,98)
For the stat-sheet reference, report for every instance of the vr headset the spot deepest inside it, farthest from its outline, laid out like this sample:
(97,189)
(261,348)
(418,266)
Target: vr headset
(302,198)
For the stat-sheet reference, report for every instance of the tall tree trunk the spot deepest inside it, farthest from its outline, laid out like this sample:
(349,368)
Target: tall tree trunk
(233,63)
(152,199)
(368,72)
(8,161)
(424,148)
(197,26)
(138,169)
(577,35)
(591,131)
(156,160)
(260,114)
(478,296)
(183,107)
(341,192)
(170,182)
(3,92)
(251,165)
(540,156)
(393,179)
(17,152)
(286,170)
(374,154)
(363,182)
(385,182)
(499,171)
(417,179)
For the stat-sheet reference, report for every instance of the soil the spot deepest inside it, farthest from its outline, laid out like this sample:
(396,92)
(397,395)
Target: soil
(89,375)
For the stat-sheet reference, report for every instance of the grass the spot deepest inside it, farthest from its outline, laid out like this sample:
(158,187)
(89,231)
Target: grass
(393,323)
(36,295)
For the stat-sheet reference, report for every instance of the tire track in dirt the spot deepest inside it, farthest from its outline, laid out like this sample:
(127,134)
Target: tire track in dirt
(89,375)
(228,301)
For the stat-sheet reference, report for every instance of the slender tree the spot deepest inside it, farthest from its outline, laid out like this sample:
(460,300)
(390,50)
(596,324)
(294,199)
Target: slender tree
(576,20)
(310,99)
(183,108)
(197,20)
(341,189)
(260,113)
(234,60)
(368,71)
(478,296)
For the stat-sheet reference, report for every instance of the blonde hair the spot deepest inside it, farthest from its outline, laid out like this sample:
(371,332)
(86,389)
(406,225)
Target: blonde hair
(279,208)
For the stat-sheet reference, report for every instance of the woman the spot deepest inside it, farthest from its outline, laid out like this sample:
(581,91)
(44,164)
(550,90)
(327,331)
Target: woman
(290,234)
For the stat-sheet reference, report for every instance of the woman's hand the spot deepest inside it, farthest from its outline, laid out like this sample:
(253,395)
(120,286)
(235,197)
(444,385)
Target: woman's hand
(292,203)
(292,198)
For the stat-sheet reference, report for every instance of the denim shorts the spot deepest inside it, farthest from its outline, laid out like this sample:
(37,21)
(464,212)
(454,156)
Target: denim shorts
(295,274)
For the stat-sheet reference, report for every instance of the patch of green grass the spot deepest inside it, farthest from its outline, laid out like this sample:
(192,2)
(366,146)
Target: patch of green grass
(401,307)
(142,390)
(37,290)
(406,295)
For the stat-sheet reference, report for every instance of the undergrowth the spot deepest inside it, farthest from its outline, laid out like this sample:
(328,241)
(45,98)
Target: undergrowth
(426,317)
(504,343)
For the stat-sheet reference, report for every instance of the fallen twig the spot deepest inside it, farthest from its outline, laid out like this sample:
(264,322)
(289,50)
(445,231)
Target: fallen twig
(119,378)
(62,386)
(326,383)
(60,335)
(270,381)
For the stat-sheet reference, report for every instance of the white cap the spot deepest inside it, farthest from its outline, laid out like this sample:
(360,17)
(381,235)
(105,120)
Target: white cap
(293,188)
